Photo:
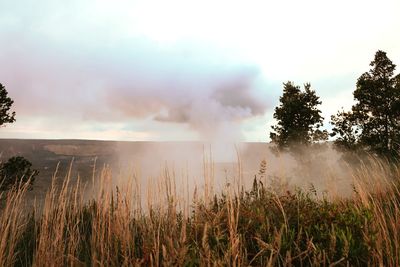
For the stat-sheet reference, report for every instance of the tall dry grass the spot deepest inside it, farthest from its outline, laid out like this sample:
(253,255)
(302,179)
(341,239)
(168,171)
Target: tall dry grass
(13,220)
(256,226)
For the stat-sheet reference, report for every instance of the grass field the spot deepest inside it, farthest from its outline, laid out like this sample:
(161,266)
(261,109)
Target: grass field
(265,224)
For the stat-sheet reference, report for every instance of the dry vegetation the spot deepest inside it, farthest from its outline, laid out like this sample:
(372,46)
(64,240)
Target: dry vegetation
(265,225)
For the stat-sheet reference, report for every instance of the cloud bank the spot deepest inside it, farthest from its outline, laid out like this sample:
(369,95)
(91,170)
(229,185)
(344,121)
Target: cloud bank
(122,80)
(141,85)
(179,68)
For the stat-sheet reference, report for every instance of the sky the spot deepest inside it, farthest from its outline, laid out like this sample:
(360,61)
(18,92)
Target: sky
(181,70)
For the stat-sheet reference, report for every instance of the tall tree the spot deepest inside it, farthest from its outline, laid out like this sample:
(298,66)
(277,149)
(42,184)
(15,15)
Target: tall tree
(373,123)
(6,116)
(298,118)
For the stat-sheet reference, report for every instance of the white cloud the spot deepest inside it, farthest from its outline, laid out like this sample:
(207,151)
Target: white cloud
(86,61)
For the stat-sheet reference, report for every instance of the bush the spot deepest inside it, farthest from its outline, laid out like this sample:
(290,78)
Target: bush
(17,170)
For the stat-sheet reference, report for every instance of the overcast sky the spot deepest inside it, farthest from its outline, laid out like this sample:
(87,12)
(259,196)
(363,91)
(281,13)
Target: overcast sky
(181,70)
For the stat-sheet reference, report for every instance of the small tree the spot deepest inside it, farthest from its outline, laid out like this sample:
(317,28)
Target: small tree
(5,105)
(17,170)
(373,124)
(298,119)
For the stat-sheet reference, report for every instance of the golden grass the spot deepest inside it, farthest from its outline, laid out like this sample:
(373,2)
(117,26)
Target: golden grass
(236,227)
(12,222)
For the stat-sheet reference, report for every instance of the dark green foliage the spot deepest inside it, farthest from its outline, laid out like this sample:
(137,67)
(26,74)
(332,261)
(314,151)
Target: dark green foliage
(308,228)
(373,124)
(298,118)
(346,129)
(5,105)
(311,231)
(16,171)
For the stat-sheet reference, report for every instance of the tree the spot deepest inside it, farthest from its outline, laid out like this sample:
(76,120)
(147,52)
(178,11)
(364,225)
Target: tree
(17,170)
(346,130)
(5,105)
(373,124)
(298,118)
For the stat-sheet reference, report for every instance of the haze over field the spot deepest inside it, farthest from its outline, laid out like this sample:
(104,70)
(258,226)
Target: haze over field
(189,163)
(180,70)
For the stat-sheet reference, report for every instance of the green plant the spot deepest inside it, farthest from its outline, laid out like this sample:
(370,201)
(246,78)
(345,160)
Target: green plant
(15,172)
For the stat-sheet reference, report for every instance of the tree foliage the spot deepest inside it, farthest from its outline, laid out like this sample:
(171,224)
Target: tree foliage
(298,118)
(6,116)
(373,124)
(17,170)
